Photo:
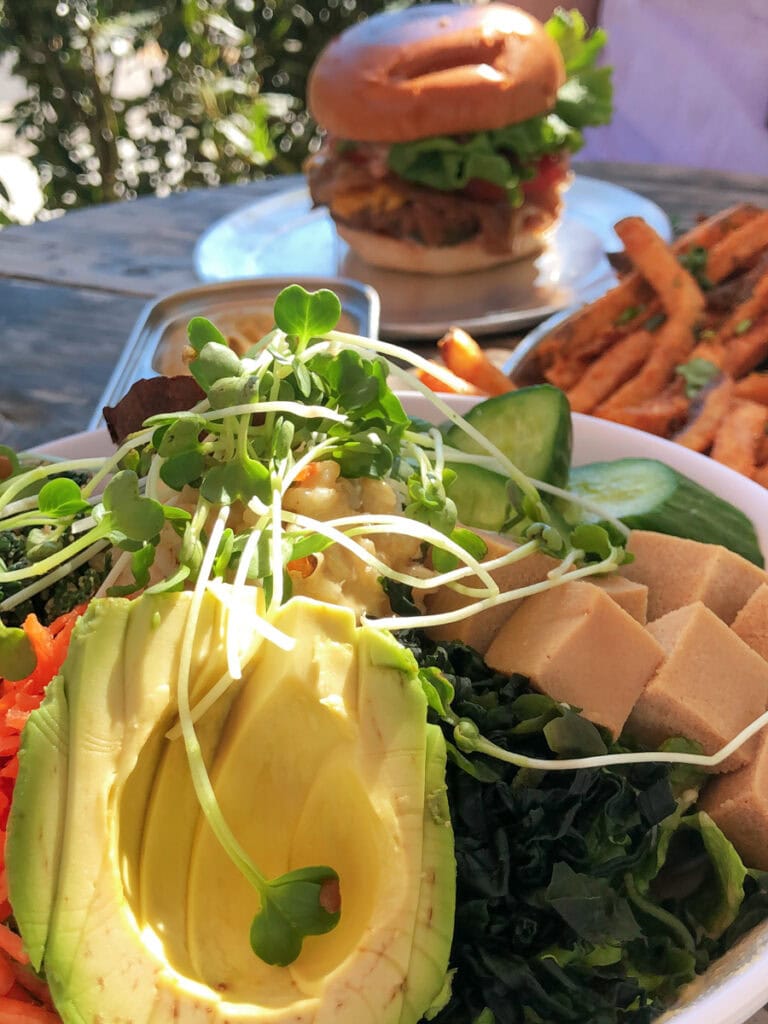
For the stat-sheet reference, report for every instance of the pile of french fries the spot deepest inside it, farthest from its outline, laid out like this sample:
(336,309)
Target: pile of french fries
(680,346)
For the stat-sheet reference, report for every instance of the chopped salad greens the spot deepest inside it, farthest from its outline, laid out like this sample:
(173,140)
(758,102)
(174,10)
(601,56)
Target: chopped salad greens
(589,886)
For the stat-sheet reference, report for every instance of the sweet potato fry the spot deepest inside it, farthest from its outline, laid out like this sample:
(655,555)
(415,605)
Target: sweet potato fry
(760,475)
(711,349)
(739,435)
(679,293)
(579,331)
(672,345)
(754,387)
(746,351)
(611,370)
(440,379)
(576,334)
(747,312)
(700,434)
(464,357)
(738,248)
(565,372)
(709,232)
(660,415)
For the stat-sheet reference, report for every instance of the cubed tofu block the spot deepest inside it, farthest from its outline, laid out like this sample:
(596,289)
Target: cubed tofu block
(478,631)
(710,686)
(579,646)
(679,572)
(738,803)
(751,624)
(631,596)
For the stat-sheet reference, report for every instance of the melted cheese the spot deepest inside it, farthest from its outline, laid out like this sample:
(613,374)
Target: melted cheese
(380,197)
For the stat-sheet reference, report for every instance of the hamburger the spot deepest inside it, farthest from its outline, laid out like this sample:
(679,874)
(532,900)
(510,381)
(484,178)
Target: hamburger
(448,131)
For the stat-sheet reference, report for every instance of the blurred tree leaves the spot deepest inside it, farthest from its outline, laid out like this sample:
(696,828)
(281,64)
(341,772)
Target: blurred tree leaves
(127,98)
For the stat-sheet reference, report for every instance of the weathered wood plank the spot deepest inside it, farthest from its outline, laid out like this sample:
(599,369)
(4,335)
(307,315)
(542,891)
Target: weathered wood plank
(57,349)
(143,247)
(684,193)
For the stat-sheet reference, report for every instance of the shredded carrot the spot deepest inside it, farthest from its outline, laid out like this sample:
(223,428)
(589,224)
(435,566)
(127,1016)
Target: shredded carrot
(11,944)
(27,981)
(21,992)
(14,1011)
(303,566)
(7,977)
(306,473)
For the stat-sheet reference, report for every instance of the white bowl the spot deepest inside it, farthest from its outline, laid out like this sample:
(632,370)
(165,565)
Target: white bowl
(737,985)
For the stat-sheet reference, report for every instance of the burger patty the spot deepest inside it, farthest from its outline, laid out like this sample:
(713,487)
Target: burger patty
(388,205)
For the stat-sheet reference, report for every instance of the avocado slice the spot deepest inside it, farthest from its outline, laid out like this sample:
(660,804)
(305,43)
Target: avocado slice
(37,818)
(323,755)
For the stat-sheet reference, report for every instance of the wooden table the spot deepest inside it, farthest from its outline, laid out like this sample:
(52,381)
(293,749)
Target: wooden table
(71,289)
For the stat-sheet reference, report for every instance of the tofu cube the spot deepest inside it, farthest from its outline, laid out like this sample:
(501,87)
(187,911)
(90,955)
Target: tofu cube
(629,595)
(738,803)
(478,630)
(580,647)
(751,624)
(710,686)
(679,572)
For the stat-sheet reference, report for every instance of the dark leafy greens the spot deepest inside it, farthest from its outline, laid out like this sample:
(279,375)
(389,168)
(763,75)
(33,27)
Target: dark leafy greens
(581,896)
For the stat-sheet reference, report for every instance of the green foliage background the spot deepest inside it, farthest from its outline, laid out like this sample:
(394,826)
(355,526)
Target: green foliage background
(228,79)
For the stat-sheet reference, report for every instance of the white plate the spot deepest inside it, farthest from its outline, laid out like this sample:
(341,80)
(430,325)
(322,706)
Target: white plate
(737,985)
(284,235)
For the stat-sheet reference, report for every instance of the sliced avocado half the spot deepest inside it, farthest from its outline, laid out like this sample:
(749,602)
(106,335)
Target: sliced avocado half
(322,755)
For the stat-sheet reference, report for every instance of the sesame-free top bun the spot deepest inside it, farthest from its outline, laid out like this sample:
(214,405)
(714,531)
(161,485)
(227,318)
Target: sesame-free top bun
(438,69)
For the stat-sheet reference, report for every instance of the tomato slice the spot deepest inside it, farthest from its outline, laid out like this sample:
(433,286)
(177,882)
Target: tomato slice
(485,191)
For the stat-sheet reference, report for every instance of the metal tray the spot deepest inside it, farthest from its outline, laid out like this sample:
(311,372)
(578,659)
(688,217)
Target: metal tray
(241,309)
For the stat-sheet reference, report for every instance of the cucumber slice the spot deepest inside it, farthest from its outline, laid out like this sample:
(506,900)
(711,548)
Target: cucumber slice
(532,427)
(648,495)
(481,497)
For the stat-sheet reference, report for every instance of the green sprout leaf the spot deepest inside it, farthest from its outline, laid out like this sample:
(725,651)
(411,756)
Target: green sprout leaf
(223,485)
(137,518)
(141,562)
(444,561)
(202,332)
(430,504)
(224,552)
(438,691)
(295,905)
(306,314)
(213,363)
(592,539)
(42,543)
(61,497)
(17,659)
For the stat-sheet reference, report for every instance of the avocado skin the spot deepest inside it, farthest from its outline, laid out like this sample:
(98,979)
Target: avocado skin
(36,822)
(110,949)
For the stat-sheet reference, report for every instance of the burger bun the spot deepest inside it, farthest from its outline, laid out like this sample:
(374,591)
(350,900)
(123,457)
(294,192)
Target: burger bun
(435,69)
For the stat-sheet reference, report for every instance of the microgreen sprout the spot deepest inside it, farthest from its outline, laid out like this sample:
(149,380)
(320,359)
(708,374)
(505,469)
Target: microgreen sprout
(306,314)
